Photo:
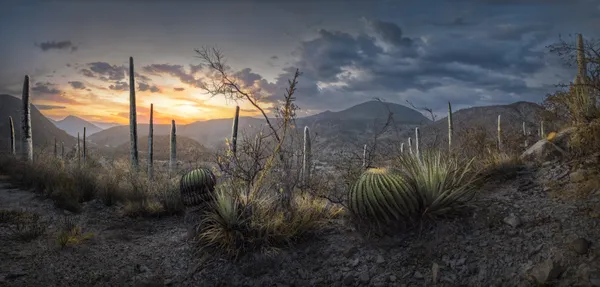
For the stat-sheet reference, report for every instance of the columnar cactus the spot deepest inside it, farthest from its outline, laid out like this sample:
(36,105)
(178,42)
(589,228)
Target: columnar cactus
(197,186)
(306,163)
(450,126)
(173,146)
(151,143)
(499,135)
(234,130)
(364,156)
(78,150)
(542,132)
(379,195)
(84,153)
(525,135)
(410,150)
(26,138)
(417,142)
(402,148)
(11,126)
(132,119)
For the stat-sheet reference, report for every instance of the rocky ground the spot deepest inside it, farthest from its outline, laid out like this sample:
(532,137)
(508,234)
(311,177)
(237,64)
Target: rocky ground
(517,234)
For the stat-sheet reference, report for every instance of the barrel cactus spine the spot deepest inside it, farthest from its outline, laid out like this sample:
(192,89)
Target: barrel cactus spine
(379,195)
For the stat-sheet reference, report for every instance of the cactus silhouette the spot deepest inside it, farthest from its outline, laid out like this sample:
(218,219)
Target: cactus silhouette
(26,138)
(234,130)
(450,126)
(307,156)
(151,143)
(132,118)
(173,146)
(11,126)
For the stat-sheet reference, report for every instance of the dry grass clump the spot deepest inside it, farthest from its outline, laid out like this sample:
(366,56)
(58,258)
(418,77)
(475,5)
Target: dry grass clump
(71,234)
(24,225)
(235,224)
(70,183)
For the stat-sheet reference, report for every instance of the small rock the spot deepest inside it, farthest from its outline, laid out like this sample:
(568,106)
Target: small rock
(350,252)
(418,275)
(578,176)
(546,271)
(380,259)
(580,245)
(435,272)
(349,280)
(355,262)
(594,279)
(512,220)
(393,278)
(364,277)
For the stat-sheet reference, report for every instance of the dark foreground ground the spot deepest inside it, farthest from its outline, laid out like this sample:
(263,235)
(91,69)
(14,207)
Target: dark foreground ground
(516,234)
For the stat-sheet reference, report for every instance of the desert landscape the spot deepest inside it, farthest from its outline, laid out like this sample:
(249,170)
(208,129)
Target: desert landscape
(237,184)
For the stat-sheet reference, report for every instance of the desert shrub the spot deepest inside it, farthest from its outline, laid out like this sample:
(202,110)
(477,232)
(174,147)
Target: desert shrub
(24,225)
(235,224)
(70,233)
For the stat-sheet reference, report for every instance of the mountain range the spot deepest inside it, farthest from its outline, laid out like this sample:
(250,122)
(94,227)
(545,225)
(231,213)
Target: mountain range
(73,125)
(43,130)
(356,125)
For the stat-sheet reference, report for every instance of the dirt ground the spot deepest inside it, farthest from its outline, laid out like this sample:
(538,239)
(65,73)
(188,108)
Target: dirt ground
(516,234)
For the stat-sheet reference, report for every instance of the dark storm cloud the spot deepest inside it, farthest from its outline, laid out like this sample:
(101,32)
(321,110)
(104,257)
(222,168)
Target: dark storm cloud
(119,86)
(107,71)
(45,88)
(145,87)
(87,73)
(496,63)
(176,71)
(179,89)
(77,85)
(53,45)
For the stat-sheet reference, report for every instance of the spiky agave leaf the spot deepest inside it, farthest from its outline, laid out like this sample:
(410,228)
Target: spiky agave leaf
(439,182)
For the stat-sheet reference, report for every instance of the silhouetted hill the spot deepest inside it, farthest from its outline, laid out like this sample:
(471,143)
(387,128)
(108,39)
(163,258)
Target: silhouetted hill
(43,130)
(73,125)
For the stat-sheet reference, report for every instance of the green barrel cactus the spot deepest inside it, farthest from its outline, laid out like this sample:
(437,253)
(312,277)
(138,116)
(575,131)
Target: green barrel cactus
(380,194)
(196,186)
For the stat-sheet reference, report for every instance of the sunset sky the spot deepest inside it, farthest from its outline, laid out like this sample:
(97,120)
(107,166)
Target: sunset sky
(468,52)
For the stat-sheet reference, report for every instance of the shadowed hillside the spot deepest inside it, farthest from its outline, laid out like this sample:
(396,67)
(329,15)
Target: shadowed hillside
(44,131)
(187,149)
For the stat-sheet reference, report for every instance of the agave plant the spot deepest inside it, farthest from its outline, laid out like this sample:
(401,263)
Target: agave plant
(197,186)
(440,182)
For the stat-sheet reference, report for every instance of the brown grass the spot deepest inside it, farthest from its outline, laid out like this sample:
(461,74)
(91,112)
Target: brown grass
(70,184)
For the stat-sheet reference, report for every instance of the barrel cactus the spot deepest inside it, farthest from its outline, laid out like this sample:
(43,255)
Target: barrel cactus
(379,194)
(196,186)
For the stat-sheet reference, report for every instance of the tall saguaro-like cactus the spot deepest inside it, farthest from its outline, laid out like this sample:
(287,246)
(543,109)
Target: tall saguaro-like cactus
(364,156)
(410,149)
(173,147)
(132,119)
(26,138)
(151,143)
(234,130)
(450,126)
(417,135)
(307,156)
(499,134)
(78,151)
(84,153)
(11,126)
(542,132)
(525,135)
